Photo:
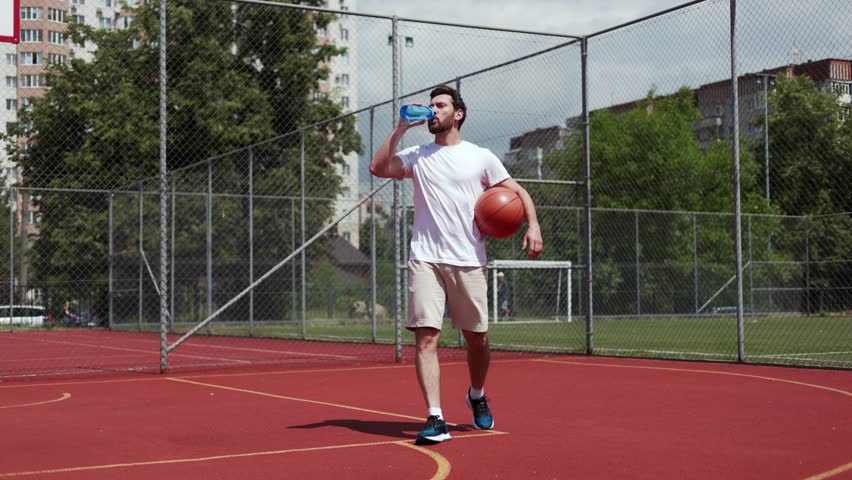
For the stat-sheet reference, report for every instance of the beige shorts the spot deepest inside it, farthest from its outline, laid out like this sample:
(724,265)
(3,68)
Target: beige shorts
(463,289)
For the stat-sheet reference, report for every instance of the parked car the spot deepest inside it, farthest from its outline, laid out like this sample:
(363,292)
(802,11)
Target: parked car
(32,315)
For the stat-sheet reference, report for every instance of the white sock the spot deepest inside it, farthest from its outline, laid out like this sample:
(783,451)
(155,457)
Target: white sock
(476,394)
(436,412)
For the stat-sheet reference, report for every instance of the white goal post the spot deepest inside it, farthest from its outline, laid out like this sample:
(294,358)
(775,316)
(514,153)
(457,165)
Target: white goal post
(496,266)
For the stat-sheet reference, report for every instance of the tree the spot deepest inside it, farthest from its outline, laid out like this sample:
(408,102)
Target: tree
(231,84)
(648,159)
(810,147)
(810,144)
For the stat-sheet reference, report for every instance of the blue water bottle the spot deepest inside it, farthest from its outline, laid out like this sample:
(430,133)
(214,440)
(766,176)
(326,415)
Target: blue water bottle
(416,113)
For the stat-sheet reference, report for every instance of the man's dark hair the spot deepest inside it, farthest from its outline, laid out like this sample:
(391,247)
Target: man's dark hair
(458,103)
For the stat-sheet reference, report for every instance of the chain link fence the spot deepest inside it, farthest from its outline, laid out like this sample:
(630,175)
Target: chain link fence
(278,234)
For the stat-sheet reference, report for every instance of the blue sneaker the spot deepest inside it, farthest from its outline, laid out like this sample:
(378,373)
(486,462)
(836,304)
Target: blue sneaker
(436,431)
(482,418)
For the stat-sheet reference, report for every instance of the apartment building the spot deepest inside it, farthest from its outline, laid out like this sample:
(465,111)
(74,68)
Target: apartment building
(341,86)
(713,100)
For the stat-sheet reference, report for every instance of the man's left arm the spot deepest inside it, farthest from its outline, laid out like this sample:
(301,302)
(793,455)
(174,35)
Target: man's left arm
(532,237)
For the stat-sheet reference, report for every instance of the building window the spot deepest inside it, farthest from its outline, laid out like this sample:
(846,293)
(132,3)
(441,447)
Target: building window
(32,36)
(56,59)
(32,81)
(11,82)
(56,15)
(31,58)
(342,79)
(26,101)
(344,102)
(56,38)
(344,33)
(78,2)
(32,13)
(81,19)
(11,59)
(12,104)
(345,169)
(124,22)
(344,58)
(105,22)
(347,236)
(320,31)
(108,3)
(317,97)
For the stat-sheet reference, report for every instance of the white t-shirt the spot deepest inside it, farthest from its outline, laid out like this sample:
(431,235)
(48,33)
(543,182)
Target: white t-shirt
(447,182)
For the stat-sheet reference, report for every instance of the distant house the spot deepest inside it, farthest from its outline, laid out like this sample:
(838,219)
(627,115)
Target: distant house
(350,264)
(526,152)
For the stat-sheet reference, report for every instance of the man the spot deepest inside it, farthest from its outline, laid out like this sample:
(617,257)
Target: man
(447,255)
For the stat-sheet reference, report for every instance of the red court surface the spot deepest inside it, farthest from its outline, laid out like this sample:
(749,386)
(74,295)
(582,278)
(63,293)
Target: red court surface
(556,417)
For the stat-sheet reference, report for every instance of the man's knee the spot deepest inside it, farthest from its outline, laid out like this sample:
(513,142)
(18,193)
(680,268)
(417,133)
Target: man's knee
(476,340)
(426,339)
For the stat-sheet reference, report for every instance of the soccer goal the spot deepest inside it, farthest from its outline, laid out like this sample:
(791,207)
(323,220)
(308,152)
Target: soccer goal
(534,291)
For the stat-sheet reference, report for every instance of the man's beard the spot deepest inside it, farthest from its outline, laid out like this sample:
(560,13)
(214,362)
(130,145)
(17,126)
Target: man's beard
(438,127)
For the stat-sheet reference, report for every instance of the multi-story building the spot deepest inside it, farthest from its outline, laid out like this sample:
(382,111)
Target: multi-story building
(526,151)
(341,85)
(713,100)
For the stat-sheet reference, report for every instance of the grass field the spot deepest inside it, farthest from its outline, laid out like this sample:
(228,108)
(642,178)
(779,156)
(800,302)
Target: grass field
(824,341)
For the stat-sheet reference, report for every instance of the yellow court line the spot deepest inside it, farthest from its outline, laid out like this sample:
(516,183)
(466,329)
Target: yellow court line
(444,466)
(691,370)
(315,402)
(215,457)
(65,396)
(831,473)
(294,399)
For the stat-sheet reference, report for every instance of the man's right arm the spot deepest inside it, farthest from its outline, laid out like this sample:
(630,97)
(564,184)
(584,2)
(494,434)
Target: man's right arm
(384,163)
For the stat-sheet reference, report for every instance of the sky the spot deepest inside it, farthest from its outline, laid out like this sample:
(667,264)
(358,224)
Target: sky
(572,17)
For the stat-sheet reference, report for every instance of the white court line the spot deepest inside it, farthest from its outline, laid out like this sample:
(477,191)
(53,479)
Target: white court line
(784,355)
(125,349)
(260,350)
(668,352)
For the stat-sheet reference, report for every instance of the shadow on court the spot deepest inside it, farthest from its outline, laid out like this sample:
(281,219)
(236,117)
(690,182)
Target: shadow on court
(404,430)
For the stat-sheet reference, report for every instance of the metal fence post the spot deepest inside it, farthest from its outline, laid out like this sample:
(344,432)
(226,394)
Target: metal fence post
(293,264)
(172,262)
(141,247)
(807,266)
(372,233)
(694,263)
(302,181)
(209,241)
(397,256)
(251,236)
(638,264)
(164,325)
(738,239)
(110,260)
(587,197)
(13,198)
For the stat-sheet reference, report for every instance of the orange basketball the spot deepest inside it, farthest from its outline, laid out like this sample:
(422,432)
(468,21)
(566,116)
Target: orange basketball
(499,212)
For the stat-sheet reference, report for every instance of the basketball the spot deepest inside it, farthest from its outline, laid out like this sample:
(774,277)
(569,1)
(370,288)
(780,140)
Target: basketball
(499,212)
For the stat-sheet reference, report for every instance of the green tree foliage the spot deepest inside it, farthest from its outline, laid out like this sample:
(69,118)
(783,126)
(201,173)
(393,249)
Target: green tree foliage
(810,147)
(649,159)
(810,151)
(236,77)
